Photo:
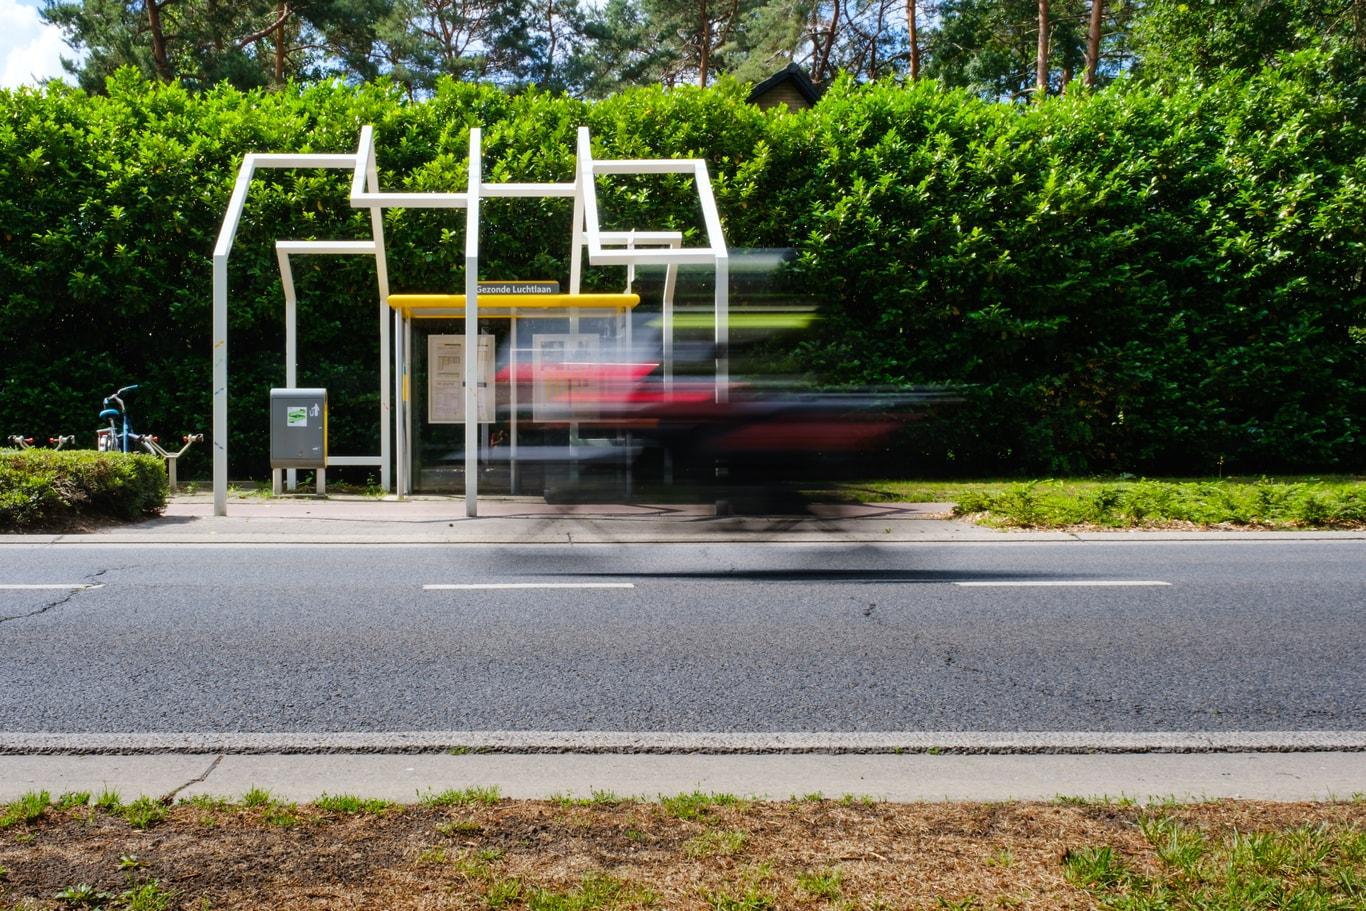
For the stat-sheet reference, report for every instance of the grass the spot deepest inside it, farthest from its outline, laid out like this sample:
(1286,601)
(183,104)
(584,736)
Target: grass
(503,893)
(29,808)
(282,816)
(257,797)
(278,814)
(595,890)
(594,799)
(436,854)
(1127,502)
(696,850)
(72,799)
(697,804)
(351,805)
(1001,857)
(144,812)
(823,884)
(109,801)
(716,842)
(1103,800)
(751,899)
(148,896)
(462,797)
(257,491)
(371,488)
(207,802)
(1304,867)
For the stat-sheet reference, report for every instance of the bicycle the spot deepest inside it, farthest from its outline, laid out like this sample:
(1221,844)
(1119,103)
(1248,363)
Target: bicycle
(118,439)
(112,438)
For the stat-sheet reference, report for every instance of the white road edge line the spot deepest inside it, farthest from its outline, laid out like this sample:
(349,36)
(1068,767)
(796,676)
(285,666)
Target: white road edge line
(47,586)
(502,586)
(1041,583)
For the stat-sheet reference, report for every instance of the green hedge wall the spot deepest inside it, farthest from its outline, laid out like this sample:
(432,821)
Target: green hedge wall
(1138,279)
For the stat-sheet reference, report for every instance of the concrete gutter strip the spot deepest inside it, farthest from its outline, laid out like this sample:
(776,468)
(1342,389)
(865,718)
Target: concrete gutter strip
(909,778)
(670,743)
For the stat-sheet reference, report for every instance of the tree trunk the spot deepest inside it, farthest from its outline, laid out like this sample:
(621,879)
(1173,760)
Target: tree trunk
(1093,42)
(159,58)
(704,49)
(280,45)
(1041,77)
(914,39)
(828,48)
(550,51)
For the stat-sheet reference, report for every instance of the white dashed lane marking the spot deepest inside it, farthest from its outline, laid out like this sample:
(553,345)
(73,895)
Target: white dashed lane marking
(503,586)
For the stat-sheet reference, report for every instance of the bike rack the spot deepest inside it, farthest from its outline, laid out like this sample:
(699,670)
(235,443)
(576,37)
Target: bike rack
(153,445)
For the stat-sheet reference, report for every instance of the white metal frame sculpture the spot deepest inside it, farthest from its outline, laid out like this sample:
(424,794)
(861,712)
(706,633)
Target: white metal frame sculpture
(604,248)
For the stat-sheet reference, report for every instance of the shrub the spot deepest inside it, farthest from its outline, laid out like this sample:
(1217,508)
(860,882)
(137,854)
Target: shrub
(42,488)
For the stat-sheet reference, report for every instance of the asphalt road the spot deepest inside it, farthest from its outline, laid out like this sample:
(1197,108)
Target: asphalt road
(1251,635)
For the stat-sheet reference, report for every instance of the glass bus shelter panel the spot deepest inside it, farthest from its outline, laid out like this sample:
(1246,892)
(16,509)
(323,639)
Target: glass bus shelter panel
(554,448)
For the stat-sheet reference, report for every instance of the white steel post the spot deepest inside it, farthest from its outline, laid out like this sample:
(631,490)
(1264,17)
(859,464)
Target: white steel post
(717,242)
(291,339)
(582,174)
(512,369)
(366,153)
(472,329)
(220,381)
(670,283)
(400,372)
(722,327)
(220,334)
(386,408)
(407,416)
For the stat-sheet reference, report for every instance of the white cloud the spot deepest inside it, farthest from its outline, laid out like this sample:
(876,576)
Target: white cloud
(30,49)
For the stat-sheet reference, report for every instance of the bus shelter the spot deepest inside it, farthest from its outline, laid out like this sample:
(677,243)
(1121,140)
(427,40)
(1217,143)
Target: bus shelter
(468,392)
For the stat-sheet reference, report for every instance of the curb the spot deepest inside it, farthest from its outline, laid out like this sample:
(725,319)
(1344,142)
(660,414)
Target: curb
(582,536)
(666,743)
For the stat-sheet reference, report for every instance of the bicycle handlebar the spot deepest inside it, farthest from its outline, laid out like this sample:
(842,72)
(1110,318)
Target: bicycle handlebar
(116,396)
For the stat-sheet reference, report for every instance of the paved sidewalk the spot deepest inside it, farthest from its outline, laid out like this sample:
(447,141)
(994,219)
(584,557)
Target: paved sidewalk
(909,778)
(350,519)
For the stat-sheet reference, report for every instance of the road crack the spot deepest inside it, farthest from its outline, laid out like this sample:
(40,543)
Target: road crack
(951,662)
(170,797)
(53,605)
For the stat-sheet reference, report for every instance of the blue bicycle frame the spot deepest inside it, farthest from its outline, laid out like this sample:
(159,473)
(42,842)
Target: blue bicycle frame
(123,436)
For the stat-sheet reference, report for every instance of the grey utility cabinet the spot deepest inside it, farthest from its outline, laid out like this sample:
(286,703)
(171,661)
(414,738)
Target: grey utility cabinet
(298,428)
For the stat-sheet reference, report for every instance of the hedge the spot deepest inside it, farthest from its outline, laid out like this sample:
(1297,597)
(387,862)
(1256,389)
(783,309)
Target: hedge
(1140,279)
(42,489)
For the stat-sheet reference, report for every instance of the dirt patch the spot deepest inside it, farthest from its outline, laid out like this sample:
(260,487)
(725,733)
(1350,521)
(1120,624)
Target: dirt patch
(539,854)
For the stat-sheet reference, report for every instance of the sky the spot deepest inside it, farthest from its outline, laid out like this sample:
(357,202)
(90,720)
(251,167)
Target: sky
(30,50)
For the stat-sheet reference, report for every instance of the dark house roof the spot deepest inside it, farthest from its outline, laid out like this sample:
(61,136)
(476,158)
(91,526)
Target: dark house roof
(791,78)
